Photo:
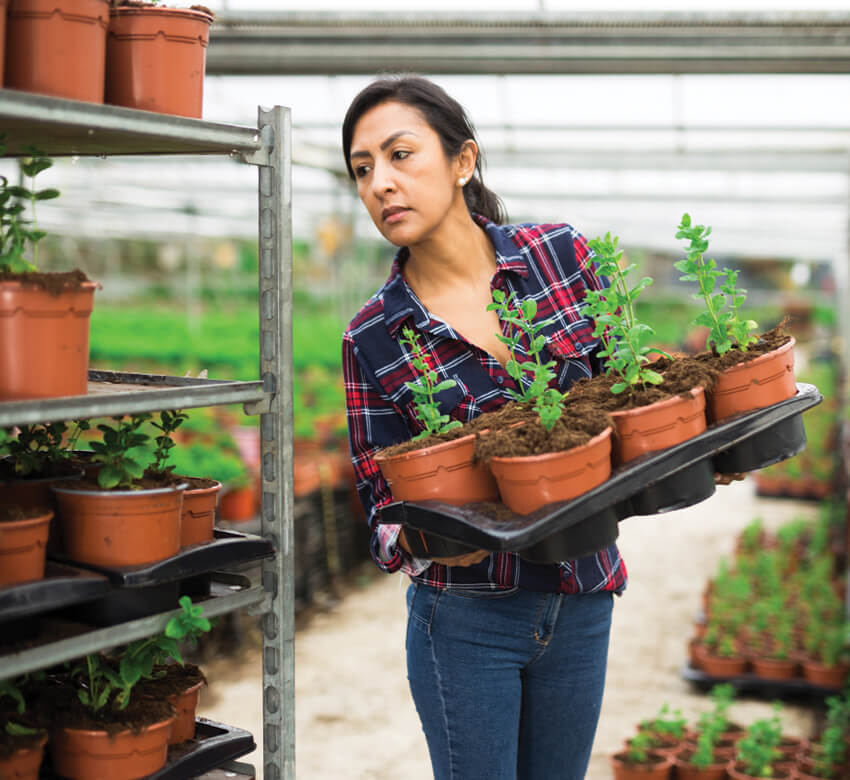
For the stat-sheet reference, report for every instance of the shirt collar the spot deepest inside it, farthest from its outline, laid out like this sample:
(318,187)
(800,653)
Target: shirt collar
(400,302)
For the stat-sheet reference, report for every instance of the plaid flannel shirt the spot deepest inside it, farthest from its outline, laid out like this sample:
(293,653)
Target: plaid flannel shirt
(549,263)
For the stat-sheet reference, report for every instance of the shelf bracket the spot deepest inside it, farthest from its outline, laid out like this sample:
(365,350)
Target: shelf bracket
(263,155)
(263,406)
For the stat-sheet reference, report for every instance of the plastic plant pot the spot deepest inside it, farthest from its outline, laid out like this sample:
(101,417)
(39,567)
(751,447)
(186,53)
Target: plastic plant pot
(23,546)
(186,704)
(23,764)
(198,521)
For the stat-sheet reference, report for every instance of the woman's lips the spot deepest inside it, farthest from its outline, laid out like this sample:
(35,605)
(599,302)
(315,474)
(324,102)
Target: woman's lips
(393,215)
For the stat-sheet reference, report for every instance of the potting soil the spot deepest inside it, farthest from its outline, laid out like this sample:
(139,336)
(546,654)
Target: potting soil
(52,281)
(8,514)
(175,679)
(768,341)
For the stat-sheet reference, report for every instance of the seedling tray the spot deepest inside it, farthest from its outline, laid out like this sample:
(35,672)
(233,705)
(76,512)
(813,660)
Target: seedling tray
(753,684)
(214,744)
(658,482)
(62,586)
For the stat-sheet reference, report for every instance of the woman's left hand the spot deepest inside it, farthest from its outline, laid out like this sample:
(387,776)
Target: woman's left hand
(728,479)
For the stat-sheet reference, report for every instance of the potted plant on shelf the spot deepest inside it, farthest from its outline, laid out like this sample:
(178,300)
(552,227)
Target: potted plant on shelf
(641,426)
(826,662)
(156,57)
(100,729)
(44,317)
(22,739)
(637,762)
(123,516)
(561,449)
(754,371)
(438,463)
(775,661)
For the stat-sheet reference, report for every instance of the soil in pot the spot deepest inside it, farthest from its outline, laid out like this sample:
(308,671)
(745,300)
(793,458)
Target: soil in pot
(23,543)
(199,504)
(20,757)
(180,685)
(656,768)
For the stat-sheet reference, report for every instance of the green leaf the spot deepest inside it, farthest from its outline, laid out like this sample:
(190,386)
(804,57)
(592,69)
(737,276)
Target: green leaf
(513,369)
(446,384)
(529,309)
(109,476)
(49,194)
(619,387)
(653,377)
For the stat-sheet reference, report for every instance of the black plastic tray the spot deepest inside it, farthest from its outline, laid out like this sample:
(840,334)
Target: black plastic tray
(674,478)
(214,744)
(228,548)
(62,586)
(753,684)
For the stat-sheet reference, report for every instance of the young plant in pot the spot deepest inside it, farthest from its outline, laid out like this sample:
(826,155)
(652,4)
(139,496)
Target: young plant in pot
(666,730)
(826,662)
(703,760)
(122,516)
(102,729)
(439,462)
(638,762)
(156,57)
(556,449)
(44,317)
(826,757)
(653,405)
(775,661)
(148,663)
(22,739)
(758,751)
(755,371)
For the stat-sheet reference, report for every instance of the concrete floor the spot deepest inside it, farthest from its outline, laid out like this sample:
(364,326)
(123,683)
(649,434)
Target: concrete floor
(354,716)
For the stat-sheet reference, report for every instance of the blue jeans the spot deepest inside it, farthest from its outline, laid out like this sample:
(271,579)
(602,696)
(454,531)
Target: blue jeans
(507,684)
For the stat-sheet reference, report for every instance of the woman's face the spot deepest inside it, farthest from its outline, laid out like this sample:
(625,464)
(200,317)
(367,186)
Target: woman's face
(403,176)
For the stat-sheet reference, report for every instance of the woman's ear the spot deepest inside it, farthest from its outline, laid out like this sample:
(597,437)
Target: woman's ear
(466,159)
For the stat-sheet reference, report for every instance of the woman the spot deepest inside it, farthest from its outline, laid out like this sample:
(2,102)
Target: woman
(506,658)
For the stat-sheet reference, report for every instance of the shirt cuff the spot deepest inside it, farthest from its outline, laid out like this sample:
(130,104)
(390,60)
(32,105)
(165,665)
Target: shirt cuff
(391,557)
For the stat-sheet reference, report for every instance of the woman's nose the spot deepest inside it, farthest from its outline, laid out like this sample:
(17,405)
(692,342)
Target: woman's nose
(383,180)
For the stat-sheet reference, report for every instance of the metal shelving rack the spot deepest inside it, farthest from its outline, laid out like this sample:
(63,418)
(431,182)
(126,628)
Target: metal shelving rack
(64,128)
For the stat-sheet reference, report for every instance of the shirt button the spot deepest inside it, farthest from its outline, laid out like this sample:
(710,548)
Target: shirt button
(500,380)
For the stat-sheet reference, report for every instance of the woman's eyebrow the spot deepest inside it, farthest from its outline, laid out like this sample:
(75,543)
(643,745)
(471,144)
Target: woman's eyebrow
(385,143)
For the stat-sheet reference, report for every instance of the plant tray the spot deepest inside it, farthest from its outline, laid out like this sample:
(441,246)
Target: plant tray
(228,548)
(752,683)
(62,586)
(674,478)
(214,744)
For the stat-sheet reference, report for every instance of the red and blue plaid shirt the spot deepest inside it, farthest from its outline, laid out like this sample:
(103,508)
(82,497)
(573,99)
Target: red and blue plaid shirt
(549,263)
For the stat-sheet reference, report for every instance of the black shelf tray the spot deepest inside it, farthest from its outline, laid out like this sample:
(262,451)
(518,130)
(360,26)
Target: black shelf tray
(753,684)
(228,548)
(62,586)
(674,478)
(214,744)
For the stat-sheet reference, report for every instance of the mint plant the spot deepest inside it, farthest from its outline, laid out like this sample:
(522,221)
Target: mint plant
(625,340)
(120,469)
(167,424)
(37,446)
(425,388)
(727,330)
(547,401)
(99,682)
(16,232)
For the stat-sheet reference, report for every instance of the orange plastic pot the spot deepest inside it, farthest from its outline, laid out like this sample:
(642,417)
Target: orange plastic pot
(658,426)
(238,505)
(719,666)
(658,768)
(186,704)
(736,771)
(763,381)
(57,47)
(23,764)
(122,527)
(156,58)
(527,483)
(774,669)
(80,754)
(23,546)
(827,676)
(45,341)
(198,521)
(446,472)
(684,770)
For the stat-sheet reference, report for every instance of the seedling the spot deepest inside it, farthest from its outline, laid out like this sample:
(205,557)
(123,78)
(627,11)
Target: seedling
(16,232)
(758,749)
(37,446)
(625,340)
(425,388)
(547,401)
(703,757)
(637,750)
(668,723)
(721,316)
(722,695)
(99,684)
(10,690)
(120,469)
(168,423)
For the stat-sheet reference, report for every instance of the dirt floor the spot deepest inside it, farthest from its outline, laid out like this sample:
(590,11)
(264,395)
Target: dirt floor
(354,716)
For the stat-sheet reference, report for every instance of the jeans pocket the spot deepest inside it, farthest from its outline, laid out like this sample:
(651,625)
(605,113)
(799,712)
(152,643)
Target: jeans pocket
(501,593)
(421,602)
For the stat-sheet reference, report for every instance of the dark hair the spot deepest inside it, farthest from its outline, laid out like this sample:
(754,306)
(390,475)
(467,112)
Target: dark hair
(445,116)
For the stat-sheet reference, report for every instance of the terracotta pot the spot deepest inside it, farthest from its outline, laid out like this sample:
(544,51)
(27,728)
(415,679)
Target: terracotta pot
(717,666)
(684,770)
(198,521)
(445,472)
(57,47)
(792,747)
(120,527)
(94,755)
(736,772)
(763,381)
(156,58)
(527,483)
(186,703)
(774,668)
(806,770)
(667,747)
(23,764)
(23,546)
(45,341)
(238,505)
(658,426)
(658,768)
(826,676)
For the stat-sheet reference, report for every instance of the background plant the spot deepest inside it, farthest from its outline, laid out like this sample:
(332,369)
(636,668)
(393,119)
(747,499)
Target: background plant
(425,388)
(547,401)
(36,447)
(169,421)
(625,340)
(727,330)
(759,747)
(121,467)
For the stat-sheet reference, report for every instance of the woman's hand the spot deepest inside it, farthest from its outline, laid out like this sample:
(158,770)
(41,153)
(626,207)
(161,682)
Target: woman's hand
(728,479)
(467,559)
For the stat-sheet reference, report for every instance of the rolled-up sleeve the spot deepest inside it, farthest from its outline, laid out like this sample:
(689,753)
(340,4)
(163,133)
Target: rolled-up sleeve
(374,423)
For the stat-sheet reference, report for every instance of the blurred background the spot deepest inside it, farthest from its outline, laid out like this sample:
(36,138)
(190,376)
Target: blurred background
(612,116)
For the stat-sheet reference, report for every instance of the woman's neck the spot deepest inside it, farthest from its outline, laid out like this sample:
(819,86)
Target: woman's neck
(458,253)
